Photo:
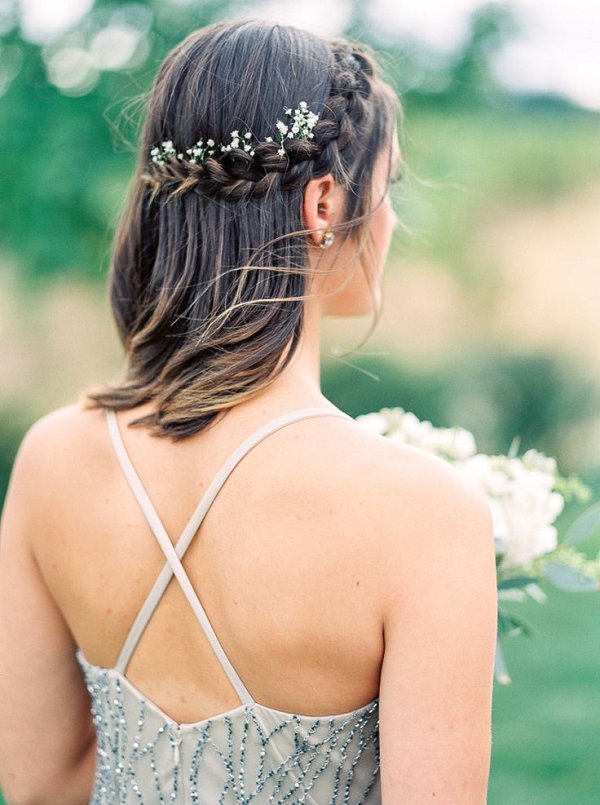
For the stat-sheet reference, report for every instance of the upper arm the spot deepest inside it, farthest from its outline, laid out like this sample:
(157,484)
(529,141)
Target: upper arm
(45,722)
(440,631)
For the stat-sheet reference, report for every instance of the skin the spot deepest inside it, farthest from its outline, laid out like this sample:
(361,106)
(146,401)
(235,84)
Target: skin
(380,561)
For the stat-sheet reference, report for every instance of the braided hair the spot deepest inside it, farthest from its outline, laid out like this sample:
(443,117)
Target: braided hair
(237,174)
(209,269)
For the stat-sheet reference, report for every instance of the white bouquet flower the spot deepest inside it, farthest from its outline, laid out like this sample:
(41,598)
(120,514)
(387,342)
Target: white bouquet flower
(523,501)
(526,495)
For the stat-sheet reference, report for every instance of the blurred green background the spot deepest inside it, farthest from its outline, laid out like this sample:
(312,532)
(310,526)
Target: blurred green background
(492,290)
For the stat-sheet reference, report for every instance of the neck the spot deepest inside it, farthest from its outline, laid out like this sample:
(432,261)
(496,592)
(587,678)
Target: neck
(299,385)
(301,379)
(307,361)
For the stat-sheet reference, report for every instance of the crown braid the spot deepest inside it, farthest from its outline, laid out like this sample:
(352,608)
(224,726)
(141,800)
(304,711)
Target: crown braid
(237,174)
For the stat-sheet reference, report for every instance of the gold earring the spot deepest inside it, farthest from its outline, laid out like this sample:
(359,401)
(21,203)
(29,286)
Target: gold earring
(327,239)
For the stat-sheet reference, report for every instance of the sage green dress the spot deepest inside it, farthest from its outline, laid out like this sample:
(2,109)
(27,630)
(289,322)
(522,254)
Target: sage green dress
(251,754)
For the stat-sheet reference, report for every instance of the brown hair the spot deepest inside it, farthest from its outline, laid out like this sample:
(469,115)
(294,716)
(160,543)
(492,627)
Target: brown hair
(209,267)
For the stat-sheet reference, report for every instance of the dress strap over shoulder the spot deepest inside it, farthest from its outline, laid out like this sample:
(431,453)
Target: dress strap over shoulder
(174,554)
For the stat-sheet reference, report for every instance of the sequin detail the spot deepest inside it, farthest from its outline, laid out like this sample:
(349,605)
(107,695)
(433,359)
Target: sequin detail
(252,754)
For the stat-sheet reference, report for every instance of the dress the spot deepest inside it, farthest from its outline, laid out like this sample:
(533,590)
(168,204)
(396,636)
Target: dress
(250,754)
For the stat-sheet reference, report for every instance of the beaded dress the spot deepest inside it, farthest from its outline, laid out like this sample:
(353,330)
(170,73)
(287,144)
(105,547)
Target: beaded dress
(250,754)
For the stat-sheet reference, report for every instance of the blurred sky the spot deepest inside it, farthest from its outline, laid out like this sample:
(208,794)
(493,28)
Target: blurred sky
(557,48)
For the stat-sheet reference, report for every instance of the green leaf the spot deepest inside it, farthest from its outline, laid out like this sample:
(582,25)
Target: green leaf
(569,579)
(535,592)
(572,488)
(516,581)
(513,450)
(513,594)
(584,526)
(500,667)
(503,624)
(510,625)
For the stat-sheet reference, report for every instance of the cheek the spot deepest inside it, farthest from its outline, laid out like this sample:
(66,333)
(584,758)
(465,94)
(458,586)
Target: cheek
(382,229)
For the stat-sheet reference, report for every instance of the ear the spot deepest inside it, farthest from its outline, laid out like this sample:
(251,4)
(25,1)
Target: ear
(321,202)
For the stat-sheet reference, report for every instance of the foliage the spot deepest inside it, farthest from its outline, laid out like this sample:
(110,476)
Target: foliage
(466,166)
(495,394)
(62,192)
(13,428)
(545,738)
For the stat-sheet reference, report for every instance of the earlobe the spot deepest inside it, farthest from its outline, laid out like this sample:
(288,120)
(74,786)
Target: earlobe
(327,239)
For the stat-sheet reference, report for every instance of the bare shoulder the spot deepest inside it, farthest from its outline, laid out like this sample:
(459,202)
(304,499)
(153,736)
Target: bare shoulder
(59,430)
(49,451)
(65,419)
(417,515)
(400,480)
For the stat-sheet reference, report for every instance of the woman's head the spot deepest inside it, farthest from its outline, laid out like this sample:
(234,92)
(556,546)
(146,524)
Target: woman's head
(213,259)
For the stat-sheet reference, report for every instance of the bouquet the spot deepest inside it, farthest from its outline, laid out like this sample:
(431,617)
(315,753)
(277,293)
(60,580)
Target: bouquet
(526,494)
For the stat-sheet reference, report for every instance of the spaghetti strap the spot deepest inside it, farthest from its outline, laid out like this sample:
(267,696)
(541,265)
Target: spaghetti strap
(174,554)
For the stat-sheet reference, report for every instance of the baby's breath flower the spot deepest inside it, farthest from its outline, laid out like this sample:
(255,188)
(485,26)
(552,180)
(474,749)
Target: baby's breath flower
(160,155)
(199,151)
(301,126)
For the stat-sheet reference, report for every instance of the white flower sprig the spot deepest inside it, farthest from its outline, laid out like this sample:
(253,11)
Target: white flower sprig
(452,444)
(201,150)
(166,150)
(301,127)
(236,138)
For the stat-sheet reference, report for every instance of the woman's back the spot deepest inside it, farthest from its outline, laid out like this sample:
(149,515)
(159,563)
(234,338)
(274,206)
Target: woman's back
(279,562)
(326,545)
(283,565)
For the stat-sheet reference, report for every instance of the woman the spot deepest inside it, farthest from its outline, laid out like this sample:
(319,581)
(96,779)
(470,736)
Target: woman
(338,572)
